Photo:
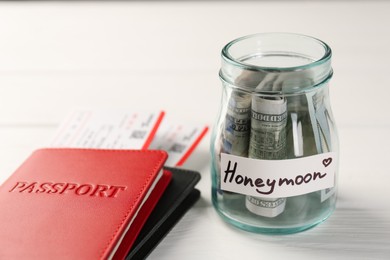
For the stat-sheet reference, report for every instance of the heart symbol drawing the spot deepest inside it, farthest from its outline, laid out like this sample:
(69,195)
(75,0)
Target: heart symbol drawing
(326,162)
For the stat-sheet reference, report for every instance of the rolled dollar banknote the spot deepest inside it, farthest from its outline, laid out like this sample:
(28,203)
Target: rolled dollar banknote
(237,124)
(267,141)
(320,119)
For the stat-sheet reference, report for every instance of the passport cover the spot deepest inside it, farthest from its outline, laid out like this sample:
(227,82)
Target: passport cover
(177,199)
(79,203)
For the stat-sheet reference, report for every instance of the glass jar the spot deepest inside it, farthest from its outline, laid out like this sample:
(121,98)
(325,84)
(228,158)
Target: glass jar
(274,145)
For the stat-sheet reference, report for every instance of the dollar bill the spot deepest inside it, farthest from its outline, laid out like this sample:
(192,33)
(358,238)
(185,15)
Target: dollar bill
(320,119)
(300,137)
(237,124)
(265,207)
(267,141)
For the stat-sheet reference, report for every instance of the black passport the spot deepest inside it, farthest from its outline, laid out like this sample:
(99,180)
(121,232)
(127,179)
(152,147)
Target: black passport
(177,199)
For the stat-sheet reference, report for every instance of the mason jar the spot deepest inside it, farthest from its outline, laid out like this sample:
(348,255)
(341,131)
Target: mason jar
(274,144)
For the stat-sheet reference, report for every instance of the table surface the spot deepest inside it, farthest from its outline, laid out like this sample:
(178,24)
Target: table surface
(57,56)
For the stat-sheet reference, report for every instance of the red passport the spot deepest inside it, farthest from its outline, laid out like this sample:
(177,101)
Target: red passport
(79,203)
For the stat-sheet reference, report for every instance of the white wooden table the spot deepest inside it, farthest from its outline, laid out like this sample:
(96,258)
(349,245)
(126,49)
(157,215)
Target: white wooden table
(56,56)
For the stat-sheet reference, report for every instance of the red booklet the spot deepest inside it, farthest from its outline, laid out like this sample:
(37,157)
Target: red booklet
(79,203)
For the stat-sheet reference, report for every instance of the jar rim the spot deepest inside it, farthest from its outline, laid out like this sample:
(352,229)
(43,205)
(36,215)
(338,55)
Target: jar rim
(279,93)
(246,66)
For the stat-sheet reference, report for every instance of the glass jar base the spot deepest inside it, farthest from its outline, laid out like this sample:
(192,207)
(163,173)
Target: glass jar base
(264,227)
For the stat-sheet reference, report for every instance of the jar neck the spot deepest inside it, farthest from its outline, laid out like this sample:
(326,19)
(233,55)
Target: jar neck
(276,63)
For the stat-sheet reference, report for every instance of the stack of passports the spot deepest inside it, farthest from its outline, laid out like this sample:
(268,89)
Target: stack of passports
(92,204)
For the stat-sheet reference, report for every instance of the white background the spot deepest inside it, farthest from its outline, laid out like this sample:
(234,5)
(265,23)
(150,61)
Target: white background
(55,56)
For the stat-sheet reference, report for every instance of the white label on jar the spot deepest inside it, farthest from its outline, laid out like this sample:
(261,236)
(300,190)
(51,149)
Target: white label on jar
(277,178)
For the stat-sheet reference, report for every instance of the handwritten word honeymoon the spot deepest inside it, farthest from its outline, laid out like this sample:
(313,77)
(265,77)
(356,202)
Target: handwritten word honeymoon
(277,178)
